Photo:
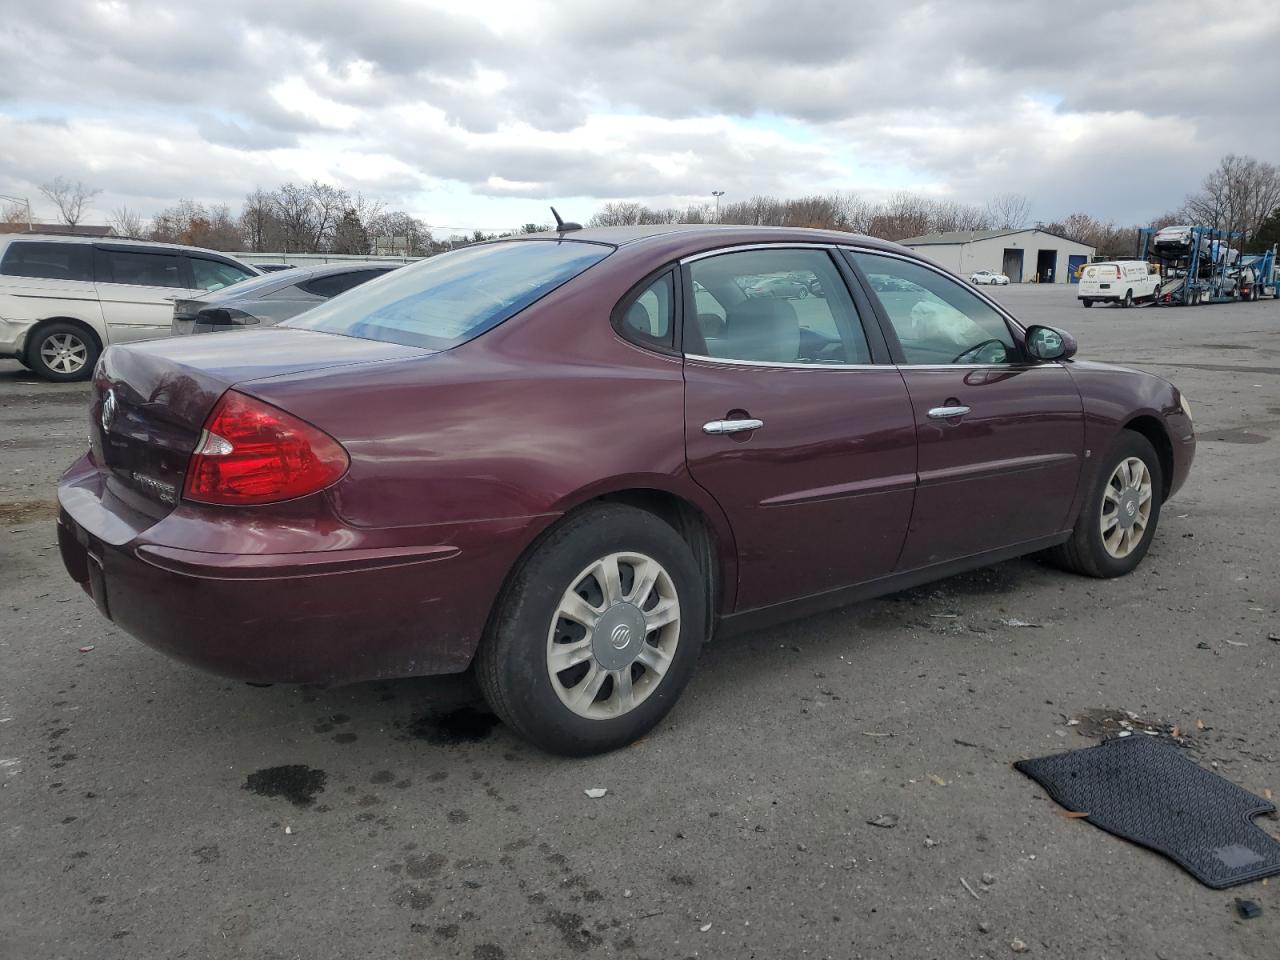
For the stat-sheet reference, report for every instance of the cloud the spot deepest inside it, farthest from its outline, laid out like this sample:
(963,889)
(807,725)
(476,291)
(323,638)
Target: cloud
(465,111)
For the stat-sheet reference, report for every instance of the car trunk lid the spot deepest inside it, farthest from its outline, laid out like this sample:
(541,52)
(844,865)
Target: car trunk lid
(151,400)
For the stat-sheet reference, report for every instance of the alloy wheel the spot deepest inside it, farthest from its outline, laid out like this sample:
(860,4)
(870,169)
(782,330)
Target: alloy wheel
(64,353)
(613,635)
(1126,507)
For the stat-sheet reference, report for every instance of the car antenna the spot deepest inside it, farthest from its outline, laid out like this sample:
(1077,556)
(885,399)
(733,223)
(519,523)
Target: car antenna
(561,225)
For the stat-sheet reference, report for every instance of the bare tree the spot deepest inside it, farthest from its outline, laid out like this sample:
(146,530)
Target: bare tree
(14,213)
(127,223)
(1008,211)
(259,222)
(70,198)
(1237,196)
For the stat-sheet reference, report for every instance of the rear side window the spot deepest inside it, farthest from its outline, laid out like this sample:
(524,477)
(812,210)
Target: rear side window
(48,261)
(335,283)
(454,297)
(646,318)
(140,268)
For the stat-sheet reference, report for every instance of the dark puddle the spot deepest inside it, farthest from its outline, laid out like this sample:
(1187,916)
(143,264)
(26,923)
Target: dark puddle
(1237,436)
(464,725)
(296,782)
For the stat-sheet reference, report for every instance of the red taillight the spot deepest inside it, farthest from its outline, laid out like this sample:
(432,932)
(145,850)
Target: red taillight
(251,452)
(1117,273)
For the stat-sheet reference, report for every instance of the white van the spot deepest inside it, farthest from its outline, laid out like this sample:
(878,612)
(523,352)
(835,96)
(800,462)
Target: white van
(1125,282)
(64,299)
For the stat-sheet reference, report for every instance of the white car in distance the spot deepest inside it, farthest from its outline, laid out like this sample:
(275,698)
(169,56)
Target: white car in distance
(987,277)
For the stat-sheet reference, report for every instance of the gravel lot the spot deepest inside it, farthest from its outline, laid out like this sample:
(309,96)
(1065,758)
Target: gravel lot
(135,822)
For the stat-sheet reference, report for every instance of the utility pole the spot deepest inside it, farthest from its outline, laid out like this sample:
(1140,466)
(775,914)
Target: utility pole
(717,194)
(26,203)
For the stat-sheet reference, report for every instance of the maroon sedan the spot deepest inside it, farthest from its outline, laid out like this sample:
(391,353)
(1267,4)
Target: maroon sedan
(572,459)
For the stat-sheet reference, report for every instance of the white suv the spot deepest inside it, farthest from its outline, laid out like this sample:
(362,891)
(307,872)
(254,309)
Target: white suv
(63,299)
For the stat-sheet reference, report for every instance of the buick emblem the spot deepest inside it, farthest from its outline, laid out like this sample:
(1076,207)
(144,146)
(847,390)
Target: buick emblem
(1131,508)
(109,410)
(620,636)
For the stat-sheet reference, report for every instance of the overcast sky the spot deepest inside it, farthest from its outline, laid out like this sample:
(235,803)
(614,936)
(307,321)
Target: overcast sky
(479,114)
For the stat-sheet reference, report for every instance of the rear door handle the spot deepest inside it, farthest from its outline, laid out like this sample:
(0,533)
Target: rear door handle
(718,427)
(946,413)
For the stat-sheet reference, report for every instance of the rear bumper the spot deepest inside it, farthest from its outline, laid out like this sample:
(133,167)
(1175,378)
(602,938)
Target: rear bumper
(332,615)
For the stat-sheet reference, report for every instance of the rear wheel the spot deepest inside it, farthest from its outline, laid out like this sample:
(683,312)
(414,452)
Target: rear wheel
(597,633)
(62,352)
(1127,302)
(1087,303)
(1121,511)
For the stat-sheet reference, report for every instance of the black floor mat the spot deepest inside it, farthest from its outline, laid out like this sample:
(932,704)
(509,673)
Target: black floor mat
(1148,792)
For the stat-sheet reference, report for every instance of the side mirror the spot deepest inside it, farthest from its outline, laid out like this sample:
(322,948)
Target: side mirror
(1046,343)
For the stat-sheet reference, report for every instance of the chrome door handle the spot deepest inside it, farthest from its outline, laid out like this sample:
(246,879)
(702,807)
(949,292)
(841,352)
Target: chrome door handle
(718,427)
(945,413)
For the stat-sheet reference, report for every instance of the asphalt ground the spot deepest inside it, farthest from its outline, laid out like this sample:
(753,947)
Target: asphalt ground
(144,811)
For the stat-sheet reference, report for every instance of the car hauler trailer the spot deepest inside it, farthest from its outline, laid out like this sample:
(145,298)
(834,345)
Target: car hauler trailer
(1265,281)
(1195,264)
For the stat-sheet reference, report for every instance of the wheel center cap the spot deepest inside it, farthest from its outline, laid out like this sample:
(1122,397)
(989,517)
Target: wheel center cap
(618,636)
(1128,508)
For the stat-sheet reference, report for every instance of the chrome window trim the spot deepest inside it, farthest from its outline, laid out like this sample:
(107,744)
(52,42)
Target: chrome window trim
(775,245)
(920,261)
(791,366)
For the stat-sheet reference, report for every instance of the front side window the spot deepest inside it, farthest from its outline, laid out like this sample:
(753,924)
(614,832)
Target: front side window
(774,306)
(451,298)
(48,261)
(214,274)
(936,320)
(140,268)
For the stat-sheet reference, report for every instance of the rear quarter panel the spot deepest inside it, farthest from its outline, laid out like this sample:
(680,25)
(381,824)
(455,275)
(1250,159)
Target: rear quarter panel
(510,431)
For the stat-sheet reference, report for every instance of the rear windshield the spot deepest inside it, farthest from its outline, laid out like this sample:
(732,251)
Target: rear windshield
(454,297)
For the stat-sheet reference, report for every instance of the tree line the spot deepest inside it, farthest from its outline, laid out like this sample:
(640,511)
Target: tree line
(1242,194)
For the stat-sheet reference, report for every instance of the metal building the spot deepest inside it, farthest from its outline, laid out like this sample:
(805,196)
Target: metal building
(1024,256)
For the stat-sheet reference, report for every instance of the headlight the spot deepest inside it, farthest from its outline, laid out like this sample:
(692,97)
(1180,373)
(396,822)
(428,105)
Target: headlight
(1186,405)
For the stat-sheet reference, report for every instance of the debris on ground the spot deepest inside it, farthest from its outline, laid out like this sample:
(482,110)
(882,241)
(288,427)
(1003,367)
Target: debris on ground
(937,779)
(1236,643)
(1101,722)
(88,648)
(705,927)
(1248,909)
(1274,637)
(984,927)
(1202,645)
(595,793)
(885,820)
(1018,946)
(972,892)
(930,842)
(988,879)
(288,831)
(1015,622)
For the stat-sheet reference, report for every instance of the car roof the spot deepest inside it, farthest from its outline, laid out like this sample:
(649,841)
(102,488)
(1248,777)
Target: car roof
(308,271)
(112,242)
(684,239)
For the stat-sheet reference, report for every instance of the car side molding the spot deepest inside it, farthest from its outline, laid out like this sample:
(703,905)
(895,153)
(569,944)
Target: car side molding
(747,620)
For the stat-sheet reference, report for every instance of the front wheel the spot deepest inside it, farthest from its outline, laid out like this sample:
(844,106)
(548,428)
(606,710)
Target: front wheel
(1121,511)
(597,633)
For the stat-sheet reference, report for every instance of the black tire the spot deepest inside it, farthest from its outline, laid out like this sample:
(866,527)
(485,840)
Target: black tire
(1127,302)
(511,664)
(1087,303)
(1085,553)
(60,333)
